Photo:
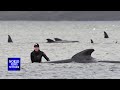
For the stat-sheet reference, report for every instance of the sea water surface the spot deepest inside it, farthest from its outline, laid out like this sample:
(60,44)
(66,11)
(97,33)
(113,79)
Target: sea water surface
(26,33)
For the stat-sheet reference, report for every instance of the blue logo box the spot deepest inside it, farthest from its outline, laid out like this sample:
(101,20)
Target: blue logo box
(14,64)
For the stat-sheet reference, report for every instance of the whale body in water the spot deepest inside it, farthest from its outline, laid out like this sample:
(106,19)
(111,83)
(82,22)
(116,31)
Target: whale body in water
(57,40)
(82,57)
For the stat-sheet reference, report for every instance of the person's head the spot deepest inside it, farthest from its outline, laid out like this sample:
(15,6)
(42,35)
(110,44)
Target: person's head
(36,47)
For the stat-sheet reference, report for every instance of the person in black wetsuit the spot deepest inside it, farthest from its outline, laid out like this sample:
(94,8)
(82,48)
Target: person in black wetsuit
(37,55)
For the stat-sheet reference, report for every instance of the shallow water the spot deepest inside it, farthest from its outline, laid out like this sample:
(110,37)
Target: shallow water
(26,33)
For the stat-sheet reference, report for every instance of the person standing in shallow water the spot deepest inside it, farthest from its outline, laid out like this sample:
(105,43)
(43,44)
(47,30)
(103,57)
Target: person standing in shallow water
(36,55)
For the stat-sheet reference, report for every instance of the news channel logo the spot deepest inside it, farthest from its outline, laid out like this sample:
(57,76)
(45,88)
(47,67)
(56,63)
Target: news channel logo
(14,64)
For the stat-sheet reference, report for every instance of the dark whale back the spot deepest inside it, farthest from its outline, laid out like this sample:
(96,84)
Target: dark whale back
(50,40)
(84,56)
(105,35)
(64,41)
(81,57)
(9,39)
(58,39)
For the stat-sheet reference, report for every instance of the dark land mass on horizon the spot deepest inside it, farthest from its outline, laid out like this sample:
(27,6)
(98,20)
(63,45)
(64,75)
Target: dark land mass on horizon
(60,15)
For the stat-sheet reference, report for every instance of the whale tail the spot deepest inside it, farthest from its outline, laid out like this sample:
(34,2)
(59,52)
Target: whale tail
(50,40)
(10,39)
(84,56)
(105,35)
(58,39)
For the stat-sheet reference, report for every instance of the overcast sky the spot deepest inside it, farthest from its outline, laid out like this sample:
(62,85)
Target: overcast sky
(61,15)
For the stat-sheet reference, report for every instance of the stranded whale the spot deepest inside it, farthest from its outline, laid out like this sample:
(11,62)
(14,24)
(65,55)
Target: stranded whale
(50,41)
(57,40)
(82,57)
(10,39)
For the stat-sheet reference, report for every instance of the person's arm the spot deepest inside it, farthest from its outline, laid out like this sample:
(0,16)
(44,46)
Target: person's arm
(31,56)
(45,56)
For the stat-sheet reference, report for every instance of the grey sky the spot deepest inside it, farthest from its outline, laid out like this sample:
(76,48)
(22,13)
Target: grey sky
(61,15)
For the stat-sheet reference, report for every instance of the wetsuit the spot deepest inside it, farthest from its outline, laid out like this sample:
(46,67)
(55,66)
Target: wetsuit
(37,56)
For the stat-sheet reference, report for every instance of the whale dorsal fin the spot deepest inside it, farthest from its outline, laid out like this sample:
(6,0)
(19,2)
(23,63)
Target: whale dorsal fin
(58,39)
(105,35)
(9,39)
(84,56)
(92,41)
(50,40)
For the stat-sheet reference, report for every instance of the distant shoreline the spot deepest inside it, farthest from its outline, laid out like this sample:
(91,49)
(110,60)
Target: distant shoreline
(60,15)
(66,20)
